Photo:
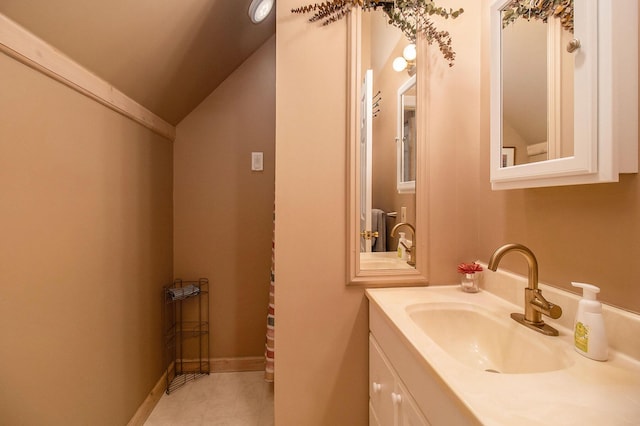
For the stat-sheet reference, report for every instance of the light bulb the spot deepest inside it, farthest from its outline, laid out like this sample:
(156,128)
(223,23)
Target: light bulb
(409,52)
(399,64)
(259,10)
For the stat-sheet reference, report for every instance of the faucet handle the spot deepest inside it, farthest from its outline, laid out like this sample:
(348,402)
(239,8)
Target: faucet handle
(542,305)
(555,311)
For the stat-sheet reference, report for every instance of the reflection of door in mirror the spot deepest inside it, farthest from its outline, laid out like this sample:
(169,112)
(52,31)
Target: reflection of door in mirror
(366,139)
(537,92)
(407,136)
(381,43)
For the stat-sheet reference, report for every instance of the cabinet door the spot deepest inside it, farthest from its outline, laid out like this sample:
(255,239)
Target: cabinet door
(408,412)
(373,418)
(381,387)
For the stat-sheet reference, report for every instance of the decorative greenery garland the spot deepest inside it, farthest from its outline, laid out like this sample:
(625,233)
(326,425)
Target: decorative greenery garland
(412,17)
(539,9)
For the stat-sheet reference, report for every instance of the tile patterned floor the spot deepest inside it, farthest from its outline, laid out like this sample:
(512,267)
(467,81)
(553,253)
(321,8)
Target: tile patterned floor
(229,399)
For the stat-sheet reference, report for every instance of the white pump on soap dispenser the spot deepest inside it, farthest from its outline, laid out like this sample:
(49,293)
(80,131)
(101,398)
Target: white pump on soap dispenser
(590,336)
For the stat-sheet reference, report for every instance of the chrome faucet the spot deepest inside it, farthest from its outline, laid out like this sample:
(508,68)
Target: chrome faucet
(534,303)
(411,250)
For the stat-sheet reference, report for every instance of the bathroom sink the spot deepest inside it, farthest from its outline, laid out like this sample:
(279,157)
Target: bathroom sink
(448,346)
(485,341)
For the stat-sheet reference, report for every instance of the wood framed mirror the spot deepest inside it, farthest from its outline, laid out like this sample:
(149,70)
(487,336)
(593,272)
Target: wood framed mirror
(375,129)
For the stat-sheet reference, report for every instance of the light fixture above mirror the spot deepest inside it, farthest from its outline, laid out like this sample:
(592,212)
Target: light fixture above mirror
(407,61)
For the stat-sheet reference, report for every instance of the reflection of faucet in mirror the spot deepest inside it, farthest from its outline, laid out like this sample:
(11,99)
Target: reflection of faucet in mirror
(534,304)
(411,250)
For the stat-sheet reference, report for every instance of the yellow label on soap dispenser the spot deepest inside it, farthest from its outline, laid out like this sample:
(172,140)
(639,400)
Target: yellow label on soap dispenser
(581,337)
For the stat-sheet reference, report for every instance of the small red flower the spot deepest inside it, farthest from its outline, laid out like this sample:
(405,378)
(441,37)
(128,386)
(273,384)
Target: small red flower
(469,268)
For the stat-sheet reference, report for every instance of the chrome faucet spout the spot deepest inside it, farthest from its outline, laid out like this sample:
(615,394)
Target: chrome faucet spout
(534,303)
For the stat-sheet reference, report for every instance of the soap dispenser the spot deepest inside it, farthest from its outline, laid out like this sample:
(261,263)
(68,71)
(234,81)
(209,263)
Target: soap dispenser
(401,249)
(590,337)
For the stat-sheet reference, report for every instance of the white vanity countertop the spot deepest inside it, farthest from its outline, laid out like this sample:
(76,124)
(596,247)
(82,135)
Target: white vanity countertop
(586,392)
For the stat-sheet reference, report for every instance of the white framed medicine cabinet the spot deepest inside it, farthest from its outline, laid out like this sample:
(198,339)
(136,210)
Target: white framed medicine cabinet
(601,94)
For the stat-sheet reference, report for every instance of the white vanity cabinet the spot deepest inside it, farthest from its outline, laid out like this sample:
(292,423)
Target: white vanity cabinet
(403,388)
(390,403)
(408,412)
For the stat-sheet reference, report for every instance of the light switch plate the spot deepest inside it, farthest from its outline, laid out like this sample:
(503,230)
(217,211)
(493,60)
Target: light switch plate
(403,214)
(257,161)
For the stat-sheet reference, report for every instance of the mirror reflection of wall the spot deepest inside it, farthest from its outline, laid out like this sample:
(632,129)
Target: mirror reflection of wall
(537,91)
(381,44)
(524,98)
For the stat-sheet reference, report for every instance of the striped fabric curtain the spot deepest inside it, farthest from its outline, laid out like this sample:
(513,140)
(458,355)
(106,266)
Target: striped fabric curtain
(271,318)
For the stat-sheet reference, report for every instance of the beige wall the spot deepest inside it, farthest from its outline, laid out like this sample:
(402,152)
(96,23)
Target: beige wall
(223,212)
(453,100)
(584,233)
(85,222)
(321,325)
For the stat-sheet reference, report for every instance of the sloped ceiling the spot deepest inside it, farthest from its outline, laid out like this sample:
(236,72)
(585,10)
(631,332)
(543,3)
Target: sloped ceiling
(167,55)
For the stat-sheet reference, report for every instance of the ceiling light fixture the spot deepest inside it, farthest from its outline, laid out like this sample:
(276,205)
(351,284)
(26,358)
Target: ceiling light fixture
(407,61)
(259,10)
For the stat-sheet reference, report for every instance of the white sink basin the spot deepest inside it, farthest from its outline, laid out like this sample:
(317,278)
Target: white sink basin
(481,340)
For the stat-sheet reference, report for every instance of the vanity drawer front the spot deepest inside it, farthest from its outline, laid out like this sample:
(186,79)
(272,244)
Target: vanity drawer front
(373,418)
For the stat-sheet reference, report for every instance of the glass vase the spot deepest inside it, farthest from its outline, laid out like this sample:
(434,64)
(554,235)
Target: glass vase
(469,283)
